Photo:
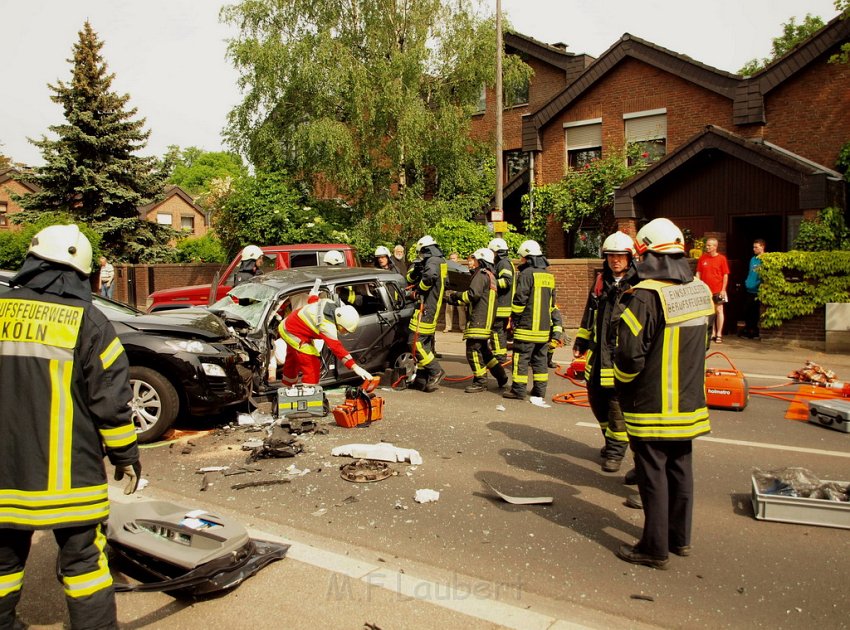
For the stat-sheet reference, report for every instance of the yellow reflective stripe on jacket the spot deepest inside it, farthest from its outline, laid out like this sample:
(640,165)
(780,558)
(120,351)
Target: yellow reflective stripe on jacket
(606,377)
(583,333)
(631,321)
(670,371)
(44,323)
(423,328)
(291,340)
(119,436)
(59,516)
(624,377)
(534,336)
(112,352)
(88,583)
(61,425)
(36,499)
(11,583)
(680,426)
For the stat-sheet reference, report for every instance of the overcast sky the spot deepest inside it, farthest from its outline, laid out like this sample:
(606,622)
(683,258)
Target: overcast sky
(169,55)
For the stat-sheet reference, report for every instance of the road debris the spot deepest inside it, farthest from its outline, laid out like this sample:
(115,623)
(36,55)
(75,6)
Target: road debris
(255,484)
(382,451)
(537,401)
(426,495)
(207,469)
(366,471)
(646,598)
(521,500)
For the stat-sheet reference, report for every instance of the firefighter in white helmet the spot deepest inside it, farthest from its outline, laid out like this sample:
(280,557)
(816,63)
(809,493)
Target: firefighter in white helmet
(382,258)
(427,276)
(659,375)
(249,265)
(480,303)
(334,258)
(595,341)
(64,404)
(505,276)
(531,314)
(321,318)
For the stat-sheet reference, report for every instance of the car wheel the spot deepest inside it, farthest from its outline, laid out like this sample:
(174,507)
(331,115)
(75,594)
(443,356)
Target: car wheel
(404,361)
(154,403)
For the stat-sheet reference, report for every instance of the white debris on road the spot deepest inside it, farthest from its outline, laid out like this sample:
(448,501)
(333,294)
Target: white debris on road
(426,495)
(382,451)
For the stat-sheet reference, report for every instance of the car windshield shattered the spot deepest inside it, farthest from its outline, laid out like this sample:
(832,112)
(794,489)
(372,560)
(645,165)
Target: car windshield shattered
(246,302)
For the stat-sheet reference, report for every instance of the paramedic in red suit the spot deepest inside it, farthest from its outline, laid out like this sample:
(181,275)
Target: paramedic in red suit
(319,319)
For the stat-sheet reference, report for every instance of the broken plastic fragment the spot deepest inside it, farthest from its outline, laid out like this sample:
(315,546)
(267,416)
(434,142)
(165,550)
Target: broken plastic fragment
(537,401)
(500,407)
(521,500)
(382,451)
(426,495)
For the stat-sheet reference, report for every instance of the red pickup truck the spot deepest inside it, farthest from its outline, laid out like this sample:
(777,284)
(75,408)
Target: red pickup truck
(283,256)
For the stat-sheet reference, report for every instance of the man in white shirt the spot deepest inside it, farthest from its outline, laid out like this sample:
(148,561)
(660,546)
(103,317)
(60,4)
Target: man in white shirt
(107,277)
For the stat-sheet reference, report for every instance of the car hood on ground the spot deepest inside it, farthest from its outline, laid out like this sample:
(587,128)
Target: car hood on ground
(183,322)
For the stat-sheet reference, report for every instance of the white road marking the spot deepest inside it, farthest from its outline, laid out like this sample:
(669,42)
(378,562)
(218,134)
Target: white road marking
(775,447)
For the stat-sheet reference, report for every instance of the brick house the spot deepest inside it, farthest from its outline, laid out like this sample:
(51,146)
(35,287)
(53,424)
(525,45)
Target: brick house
(737,157)
(553,69)
(177,210)
(8,187)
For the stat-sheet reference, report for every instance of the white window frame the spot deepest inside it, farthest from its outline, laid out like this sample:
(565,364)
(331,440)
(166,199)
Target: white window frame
(161,219)
(590,143)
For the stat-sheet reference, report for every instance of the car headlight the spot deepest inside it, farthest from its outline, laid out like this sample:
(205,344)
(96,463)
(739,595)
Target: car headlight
(211,369)
(194,346)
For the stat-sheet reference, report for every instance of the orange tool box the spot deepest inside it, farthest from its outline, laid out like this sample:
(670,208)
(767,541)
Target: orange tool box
(361,406)
(726,388)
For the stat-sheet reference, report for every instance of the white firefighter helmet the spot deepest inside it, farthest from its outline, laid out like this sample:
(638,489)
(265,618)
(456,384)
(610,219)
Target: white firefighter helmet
(660,236)
(618,243)
(425,241)
(484,254)
(333,258)
(346,316)
(63,244)
(252,252)
(498,245)
(382,251)
(530,248)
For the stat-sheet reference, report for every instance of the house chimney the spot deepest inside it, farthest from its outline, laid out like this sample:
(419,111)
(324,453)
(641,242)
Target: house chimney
(560,46)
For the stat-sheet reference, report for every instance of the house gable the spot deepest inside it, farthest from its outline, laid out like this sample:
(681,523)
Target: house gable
(10,186)
(178,210)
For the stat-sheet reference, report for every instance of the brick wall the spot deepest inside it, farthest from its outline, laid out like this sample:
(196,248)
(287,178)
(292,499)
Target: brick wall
(809,113)
(9,205)
(149,278)
(807,330)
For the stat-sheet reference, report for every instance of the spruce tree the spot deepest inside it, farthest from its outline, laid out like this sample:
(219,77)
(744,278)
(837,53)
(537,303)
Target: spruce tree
(91,169)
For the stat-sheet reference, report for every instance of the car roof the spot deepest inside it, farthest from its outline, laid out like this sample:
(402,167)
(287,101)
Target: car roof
(335,275)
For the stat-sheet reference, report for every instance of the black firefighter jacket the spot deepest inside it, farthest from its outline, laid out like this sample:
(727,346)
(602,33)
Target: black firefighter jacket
(64,398)
(597,333)
(480,301)
(533,303)
(659,360)
(506,285)
(429,280)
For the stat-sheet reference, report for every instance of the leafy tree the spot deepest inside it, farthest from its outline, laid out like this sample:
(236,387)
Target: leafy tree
(91,171)
(372,99)
(584,195)
(265,209)
(15,244)
(843,56)
(826,233)
(194,169)
(206,248)
(792,34)
(843,161)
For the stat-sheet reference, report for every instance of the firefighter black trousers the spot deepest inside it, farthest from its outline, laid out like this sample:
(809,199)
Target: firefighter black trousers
(499,336)
(534,355)
(427,365)
(481,359)
(606,409)
(666,483)
(83,571)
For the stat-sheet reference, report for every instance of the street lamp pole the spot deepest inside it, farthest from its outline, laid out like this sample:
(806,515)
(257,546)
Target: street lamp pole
(499,170)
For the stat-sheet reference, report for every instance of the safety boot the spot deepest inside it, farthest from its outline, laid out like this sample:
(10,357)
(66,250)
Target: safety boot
(433,383)
(477,385)
(611,465)
(513,395)
(631,554)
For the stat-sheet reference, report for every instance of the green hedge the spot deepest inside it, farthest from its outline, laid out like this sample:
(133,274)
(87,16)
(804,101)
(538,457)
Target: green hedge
(795,283)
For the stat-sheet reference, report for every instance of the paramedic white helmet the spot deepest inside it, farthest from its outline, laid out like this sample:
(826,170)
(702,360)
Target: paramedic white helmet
(333,258)
(382,251)
(63,244)
(618,243)
(660,236)
(251,252)
(498,245)
(346,317)
(530,248)
(484,254)
(425,241)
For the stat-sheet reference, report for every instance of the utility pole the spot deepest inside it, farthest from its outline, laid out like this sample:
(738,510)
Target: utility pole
(500,185)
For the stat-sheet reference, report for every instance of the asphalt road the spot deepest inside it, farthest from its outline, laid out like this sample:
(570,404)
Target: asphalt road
(555,563)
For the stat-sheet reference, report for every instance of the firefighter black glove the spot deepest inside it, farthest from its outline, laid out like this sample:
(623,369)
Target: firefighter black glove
(133,472)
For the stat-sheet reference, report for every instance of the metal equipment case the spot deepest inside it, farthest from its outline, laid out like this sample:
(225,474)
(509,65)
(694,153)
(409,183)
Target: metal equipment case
(834,414)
